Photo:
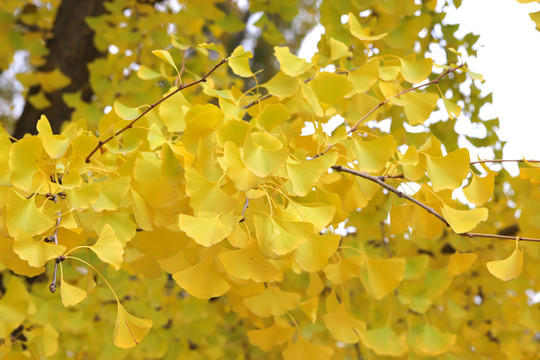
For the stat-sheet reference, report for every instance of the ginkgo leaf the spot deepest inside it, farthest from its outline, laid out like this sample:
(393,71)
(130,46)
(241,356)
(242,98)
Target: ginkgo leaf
(313,255)
(462,221)
(268,338)
(211,46)
(361,33)
(108,248)
(15,305)
(24,161)
(126,112)
(112,192)
(343,325)
(272,302)
(419,106)
(71,295)
(171,168)
(248,263)
(203,280)
(22,214)
(338,49)
(237,171)
(453,109)
(263,154)
(310,308)
(434,342)
(207,228)
(272,115)
(166,56)
(365,76)
(282,85)
(290,64)
(55,145)
(384,342)
(239,62)
(480,189)
(206,195)
(304,175)
(129,330)
(330,87)
(345,269)
(13,262)
(509,268)
(36,252)
(304,350)
(373,155)
(449,171)
(459,262)
(416,71)
(385,275)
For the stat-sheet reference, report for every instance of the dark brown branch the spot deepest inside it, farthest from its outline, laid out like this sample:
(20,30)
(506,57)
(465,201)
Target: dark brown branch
(504,237)
(377,179)
(130,125)
(502,160)
(390,188)
(382,103)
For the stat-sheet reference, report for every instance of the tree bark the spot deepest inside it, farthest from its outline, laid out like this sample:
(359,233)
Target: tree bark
(71,48)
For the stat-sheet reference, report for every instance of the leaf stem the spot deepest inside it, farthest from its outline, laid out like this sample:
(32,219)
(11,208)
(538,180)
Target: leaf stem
(502,160)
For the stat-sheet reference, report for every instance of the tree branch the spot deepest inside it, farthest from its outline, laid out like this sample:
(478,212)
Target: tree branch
(378,180)
(130,125)
(381,104)
(52,286)
(390,188)
(502,160)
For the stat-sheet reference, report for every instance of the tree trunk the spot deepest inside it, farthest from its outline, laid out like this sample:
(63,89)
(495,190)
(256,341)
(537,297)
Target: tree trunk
(71,49)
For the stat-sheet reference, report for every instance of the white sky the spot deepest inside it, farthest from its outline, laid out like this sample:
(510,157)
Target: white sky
(509,59)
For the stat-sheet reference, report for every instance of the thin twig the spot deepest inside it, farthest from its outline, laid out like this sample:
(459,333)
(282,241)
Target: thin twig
(130,125)
(390,188)
(385,240)
(246,204)
(495,236)
(382,103)
(502,160)
(376,179)
(52,286)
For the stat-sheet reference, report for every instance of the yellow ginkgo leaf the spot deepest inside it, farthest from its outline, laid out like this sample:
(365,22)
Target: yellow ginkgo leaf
(462,221)
(304,350)
(203,280)
(165,56)
(272,302)
(282,85)
(338,49)
(71,295)
(36,252)
(330,87)
(248,263)
(263,154)
(13,262)
(373,155)
(359,32)
(416,71)
(313,255)
(459,263)
(453,109)
(480,189)
(111,193)
(272,115)
(343,325)
(239,62)
(270,337)
(385,275)
(290,64)
(345,269)
(15,305)
(129,330)
(310,308)
(171,168)
(449,171)
(237,171)
(384,342)
(55,145)
(304,175)
(509,268)
(206,195)
(419,106)
(434,342)
(108,248)
(24,215)
(207,228)
(365,76)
